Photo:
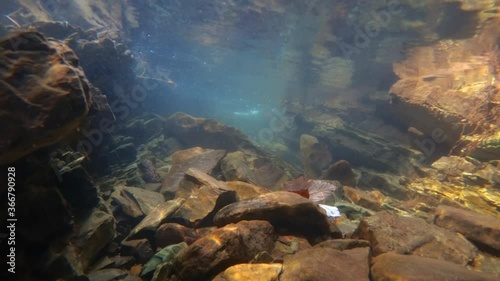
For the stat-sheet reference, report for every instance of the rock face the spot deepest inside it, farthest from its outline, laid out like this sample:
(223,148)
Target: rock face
(136,202)
(206,133)
(315,156)
(286,211)
(230,245)
(324,262)
(445,91)
(391,266)
(158,215)
(97,231)
(249,166)
(173,233)
(482,230)
(245,271)
(196,158)
(44,93)
(406,235)
(203,203)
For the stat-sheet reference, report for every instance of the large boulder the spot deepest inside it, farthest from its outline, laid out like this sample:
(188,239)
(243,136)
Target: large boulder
(196,158)
(44,92)
(286,211)
(482,230)
(389,232)
(326,262)
(249,166)
(207,133)
(391,266)
(224,247)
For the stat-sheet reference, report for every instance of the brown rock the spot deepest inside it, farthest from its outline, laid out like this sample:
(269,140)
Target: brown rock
(202,204)
(227,246)
(406,235)
(324,263)
(286,211)
(482,230)
(151,222)
(362,198)
(45,94)
(136,202)
(341,171)
(202,160)
(391,266)
(206,133)
(246,190)
(314,155)
(344,244)
(140,249)
(173,233)
(288,245)
(254,272)
(253,168)
(95,233)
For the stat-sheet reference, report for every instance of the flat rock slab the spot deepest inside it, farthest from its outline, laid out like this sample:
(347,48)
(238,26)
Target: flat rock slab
(394,267)
(325,263)
(151,222)
(482,230)
(246,190)
(388,232)
(136,202)
(254,272)
(222,248)
(97,231)
(209,133)
(199,159)
(286,211)
(201,206)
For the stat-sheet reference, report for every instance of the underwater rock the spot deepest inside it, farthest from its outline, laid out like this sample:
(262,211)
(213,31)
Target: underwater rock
(147,227)
(323,262)
(162,261)
(288,212)
(447,92)
(391,266)
(482,230)
(202,204)
(386,183)
(413,236)
(315,156)
(148,171)
(123,154)
(340,171)
(353,211)
(141,250)
(108,274)
(65,264)
(76,185)
(253,168)
(136,202)
(173,233)
(362,198)
(143,127)
(182,161)
(363,149)
(206,133)
(94,234)
(246,190)
(222,248)
(247,271)
(44,92)
(344,244)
